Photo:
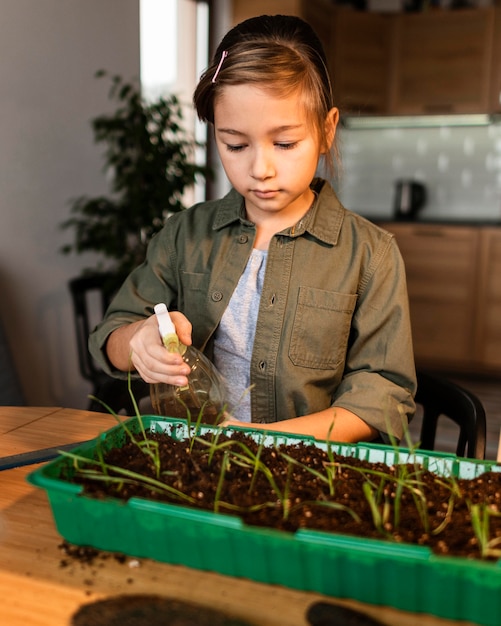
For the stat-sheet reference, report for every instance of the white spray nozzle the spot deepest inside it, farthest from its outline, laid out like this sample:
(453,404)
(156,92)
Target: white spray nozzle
(165,325)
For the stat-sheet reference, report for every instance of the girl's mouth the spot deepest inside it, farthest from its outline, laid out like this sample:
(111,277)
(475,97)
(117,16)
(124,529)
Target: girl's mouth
(264,193)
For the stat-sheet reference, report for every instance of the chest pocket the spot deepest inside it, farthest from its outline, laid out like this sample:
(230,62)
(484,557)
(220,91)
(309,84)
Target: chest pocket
(321,328)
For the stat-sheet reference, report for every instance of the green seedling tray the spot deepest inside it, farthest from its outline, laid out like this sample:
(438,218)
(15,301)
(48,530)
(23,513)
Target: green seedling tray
(405,577)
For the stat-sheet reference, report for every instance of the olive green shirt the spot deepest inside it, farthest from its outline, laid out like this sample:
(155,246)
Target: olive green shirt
(333,326)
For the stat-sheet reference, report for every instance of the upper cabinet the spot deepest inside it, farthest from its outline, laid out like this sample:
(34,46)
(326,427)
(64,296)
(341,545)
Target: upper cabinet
(433,62)
(361,60)
(488,320)
(495,92)
(436,62)
(443,62)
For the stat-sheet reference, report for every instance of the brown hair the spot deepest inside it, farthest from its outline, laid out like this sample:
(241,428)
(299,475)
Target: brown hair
(279,53)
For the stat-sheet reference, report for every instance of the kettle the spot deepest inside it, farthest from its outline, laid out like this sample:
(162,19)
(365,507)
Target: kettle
(410,197)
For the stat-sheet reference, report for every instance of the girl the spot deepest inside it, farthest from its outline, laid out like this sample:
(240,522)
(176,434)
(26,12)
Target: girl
(292,296)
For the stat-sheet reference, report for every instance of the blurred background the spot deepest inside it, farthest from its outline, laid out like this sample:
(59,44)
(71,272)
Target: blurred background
(419,89)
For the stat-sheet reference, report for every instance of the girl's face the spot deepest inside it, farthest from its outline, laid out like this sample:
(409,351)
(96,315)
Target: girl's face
(268,148)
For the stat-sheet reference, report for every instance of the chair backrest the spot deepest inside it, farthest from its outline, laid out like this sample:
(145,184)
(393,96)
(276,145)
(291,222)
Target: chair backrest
(82,291)
(440,397)
(91,296)
(11,393)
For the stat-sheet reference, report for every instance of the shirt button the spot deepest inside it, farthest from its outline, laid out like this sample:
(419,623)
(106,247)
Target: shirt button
(243,239)
(217,296)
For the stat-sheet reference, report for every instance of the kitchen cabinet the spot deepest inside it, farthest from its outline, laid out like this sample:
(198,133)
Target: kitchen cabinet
(454,284)
(436,62)
(441,269)
(360,60)
(495,92)
(443,62)
(488,326)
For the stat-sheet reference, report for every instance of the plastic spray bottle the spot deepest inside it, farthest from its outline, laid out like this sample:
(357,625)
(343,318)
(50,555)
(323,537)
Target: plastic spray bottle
(204,398)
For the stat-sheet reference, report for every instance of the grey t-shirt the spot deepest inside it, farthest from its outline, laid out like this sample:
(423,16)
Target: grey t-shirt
(234,339)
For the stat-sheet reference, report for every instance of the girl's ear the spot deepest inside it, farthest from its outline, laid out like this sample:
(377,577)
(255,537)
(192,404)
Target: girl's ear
(331,122)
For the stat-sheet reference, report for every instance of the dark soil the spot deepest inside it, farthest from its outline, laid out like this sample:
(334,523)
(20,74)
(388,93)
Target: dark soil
(431,511)
(138,610)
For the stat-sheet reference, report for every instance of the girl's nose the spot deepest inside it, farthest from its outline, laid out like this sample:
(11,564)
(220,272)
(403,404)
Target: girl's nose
(262,166)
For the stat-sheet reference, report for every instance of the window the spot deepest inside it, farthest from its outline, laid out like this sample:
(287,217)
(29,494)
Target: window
(171,64)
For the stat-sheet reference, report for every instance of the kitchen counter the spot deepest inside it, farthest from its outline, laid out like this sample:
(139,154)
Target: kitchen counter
(379,219)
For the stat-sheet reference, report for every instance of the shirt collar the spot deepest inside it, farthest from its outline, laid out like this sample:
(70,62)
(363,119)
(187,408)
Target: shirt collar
(323,221)
(231,209)
(327,214)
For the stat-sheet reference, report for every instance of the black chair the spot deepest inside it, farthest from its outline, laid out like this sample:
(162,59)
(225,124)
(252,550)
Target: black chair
(11,393)
(440,398)
(99,289)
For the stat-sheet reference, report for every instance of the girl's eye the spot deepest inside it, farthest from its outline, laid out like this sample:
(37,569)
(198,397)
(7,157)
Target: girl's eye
(280,145)
(287,146)
(232,148)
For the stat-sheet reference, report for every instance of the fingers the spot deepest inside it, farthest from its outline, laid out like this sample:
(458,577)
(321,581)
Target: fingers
(152,361)
(183,327)
(161,366)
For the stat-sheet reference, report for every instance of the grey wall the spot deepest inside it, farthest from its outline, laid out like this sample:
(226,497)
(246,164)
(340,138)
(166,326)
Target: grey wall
(49,51)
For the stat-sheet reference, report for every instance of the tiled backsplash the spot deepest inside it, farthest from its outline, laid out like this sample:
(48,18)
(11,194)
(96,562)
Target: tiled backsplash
(460,166)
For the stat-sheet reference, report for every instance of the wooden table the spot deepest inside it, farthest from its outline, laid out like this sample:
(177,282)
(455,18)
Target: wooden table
(37,590)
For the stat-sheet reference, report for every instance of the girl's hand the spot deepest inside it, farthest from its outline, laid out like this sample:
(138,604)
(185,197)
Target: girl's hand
(150,358)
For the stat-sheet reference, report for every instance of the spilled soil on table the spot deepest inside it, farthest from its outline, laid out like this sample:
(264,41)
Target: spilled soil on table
(297,486)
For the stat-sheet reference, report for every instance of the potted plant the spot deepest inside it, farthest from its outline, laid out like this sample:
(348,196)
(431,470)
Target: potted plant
(151,161)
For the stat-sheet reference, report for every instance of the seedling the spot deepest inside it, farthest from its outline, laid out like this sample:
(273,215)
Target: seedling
(481,515)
